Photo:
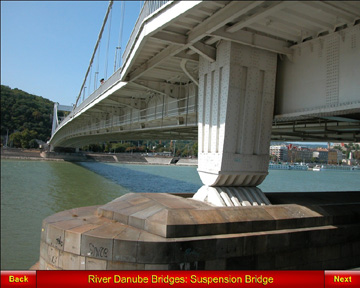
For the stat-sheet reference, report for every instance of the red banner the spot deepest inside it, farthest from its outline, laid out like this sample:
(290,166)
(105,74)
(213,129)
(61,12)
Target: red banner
(247,279)
(23,279)
(342,279)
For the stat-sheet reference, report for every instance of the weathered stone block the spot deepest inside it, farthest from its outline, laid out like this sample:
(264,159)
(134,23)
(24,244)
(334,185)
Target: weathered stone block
(265,262)
(186,251)
(319,236)
(55,236)
(73,238)
(210,229)
(125,250)
(299,239)
(138,219)
(154,249)
(112,207)
(259,225)
(139,200)
(125,245)
(95,264)
(53,256)
(229,246)
(261,242)
(356,248)
(241,263)
(157,267)
(249,245)
(285,224)
(48,266)
(289,259)
(82,263)
(122,216)
(98,243)
(44,250)
(69,261)
(179,223)
(155,252)
(42,263)
(278,240)
(219,264)
(124,266)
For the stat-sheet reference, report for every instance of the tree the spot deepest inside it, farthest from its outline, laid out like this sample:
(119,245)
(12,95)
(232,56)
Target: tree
(195,149)
(37,115)
(33,144)
(15,139)
(22,139)
(27,136)
(21,111)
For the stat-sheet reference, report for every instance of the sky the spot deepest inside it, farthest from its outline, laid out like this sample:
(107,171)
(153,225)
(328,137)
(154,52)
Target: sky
(46,46)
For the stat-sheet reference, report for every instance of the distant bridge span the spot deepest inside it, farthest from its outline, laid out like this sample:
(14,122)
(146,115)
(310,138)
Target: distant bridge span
(232,74)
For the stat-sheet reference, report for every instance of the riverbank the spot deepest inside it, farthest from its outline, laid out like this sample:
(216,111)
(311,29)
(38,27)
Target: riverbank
(21,154)
(125,158)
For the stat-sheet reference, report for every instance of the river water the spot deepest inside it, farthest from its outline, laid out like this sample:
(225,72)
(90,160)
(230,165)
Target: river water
(33,190)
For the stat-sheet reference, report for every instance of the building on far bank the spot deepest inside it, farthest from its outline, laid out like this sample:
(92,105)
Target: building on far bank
(321,155)
(280,151)
(300,154)
(356,155)
(335,156)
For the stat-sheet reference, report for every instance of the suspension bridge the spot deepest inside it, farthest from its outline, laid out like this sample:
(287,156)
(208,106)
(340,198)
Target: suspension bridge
(232,75)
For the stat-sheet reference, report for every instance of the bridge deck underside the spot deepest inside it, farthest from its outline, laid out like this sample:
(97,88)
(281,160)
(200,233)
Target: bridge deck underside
(312,129)
(163,62)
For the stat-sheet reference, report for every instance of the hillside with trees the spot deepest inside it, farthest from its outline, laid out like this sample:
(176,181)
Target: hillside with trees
(25,118)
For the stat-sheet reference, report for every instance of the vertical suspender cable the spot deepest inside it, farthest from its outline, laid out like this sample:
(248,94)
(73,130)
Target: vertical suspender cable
(90,79)
(118,53)
(93,55)
(97,67)
(107,47)
(121,30)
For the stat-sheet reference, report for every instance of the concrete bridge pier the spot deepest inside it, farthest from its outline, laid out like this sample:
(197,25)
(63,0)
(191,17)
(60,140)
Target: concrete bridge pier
(236,102)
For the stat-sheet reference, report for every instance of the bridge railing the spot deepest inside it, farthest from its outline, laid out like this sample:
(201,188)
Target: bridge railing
(148,8)
(134,118)
(110,82)
(183,106)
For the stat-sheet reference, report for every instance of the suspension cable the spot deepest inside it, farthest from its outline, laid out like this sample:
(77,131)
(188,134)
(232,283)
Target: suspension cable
(91,66)
(97,67)
(118,54)
(93,55)
(107,47)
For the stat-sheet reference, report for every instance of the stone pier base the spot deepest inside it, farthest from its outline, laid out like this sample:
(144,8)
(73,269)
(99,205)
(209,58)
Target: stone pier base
(143,231)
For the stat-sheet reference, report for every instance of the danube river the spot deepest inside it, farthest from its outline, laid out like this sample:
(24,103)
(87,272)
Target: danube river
(33,190)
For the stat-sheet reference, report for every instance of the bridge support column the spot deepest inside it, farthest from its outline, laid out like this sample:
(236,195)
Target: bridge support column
(236,101)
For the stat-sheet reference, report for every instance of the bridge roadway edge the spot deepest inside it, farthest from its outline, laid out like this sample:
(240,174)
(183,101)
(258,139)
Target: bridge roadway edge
(158,231)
